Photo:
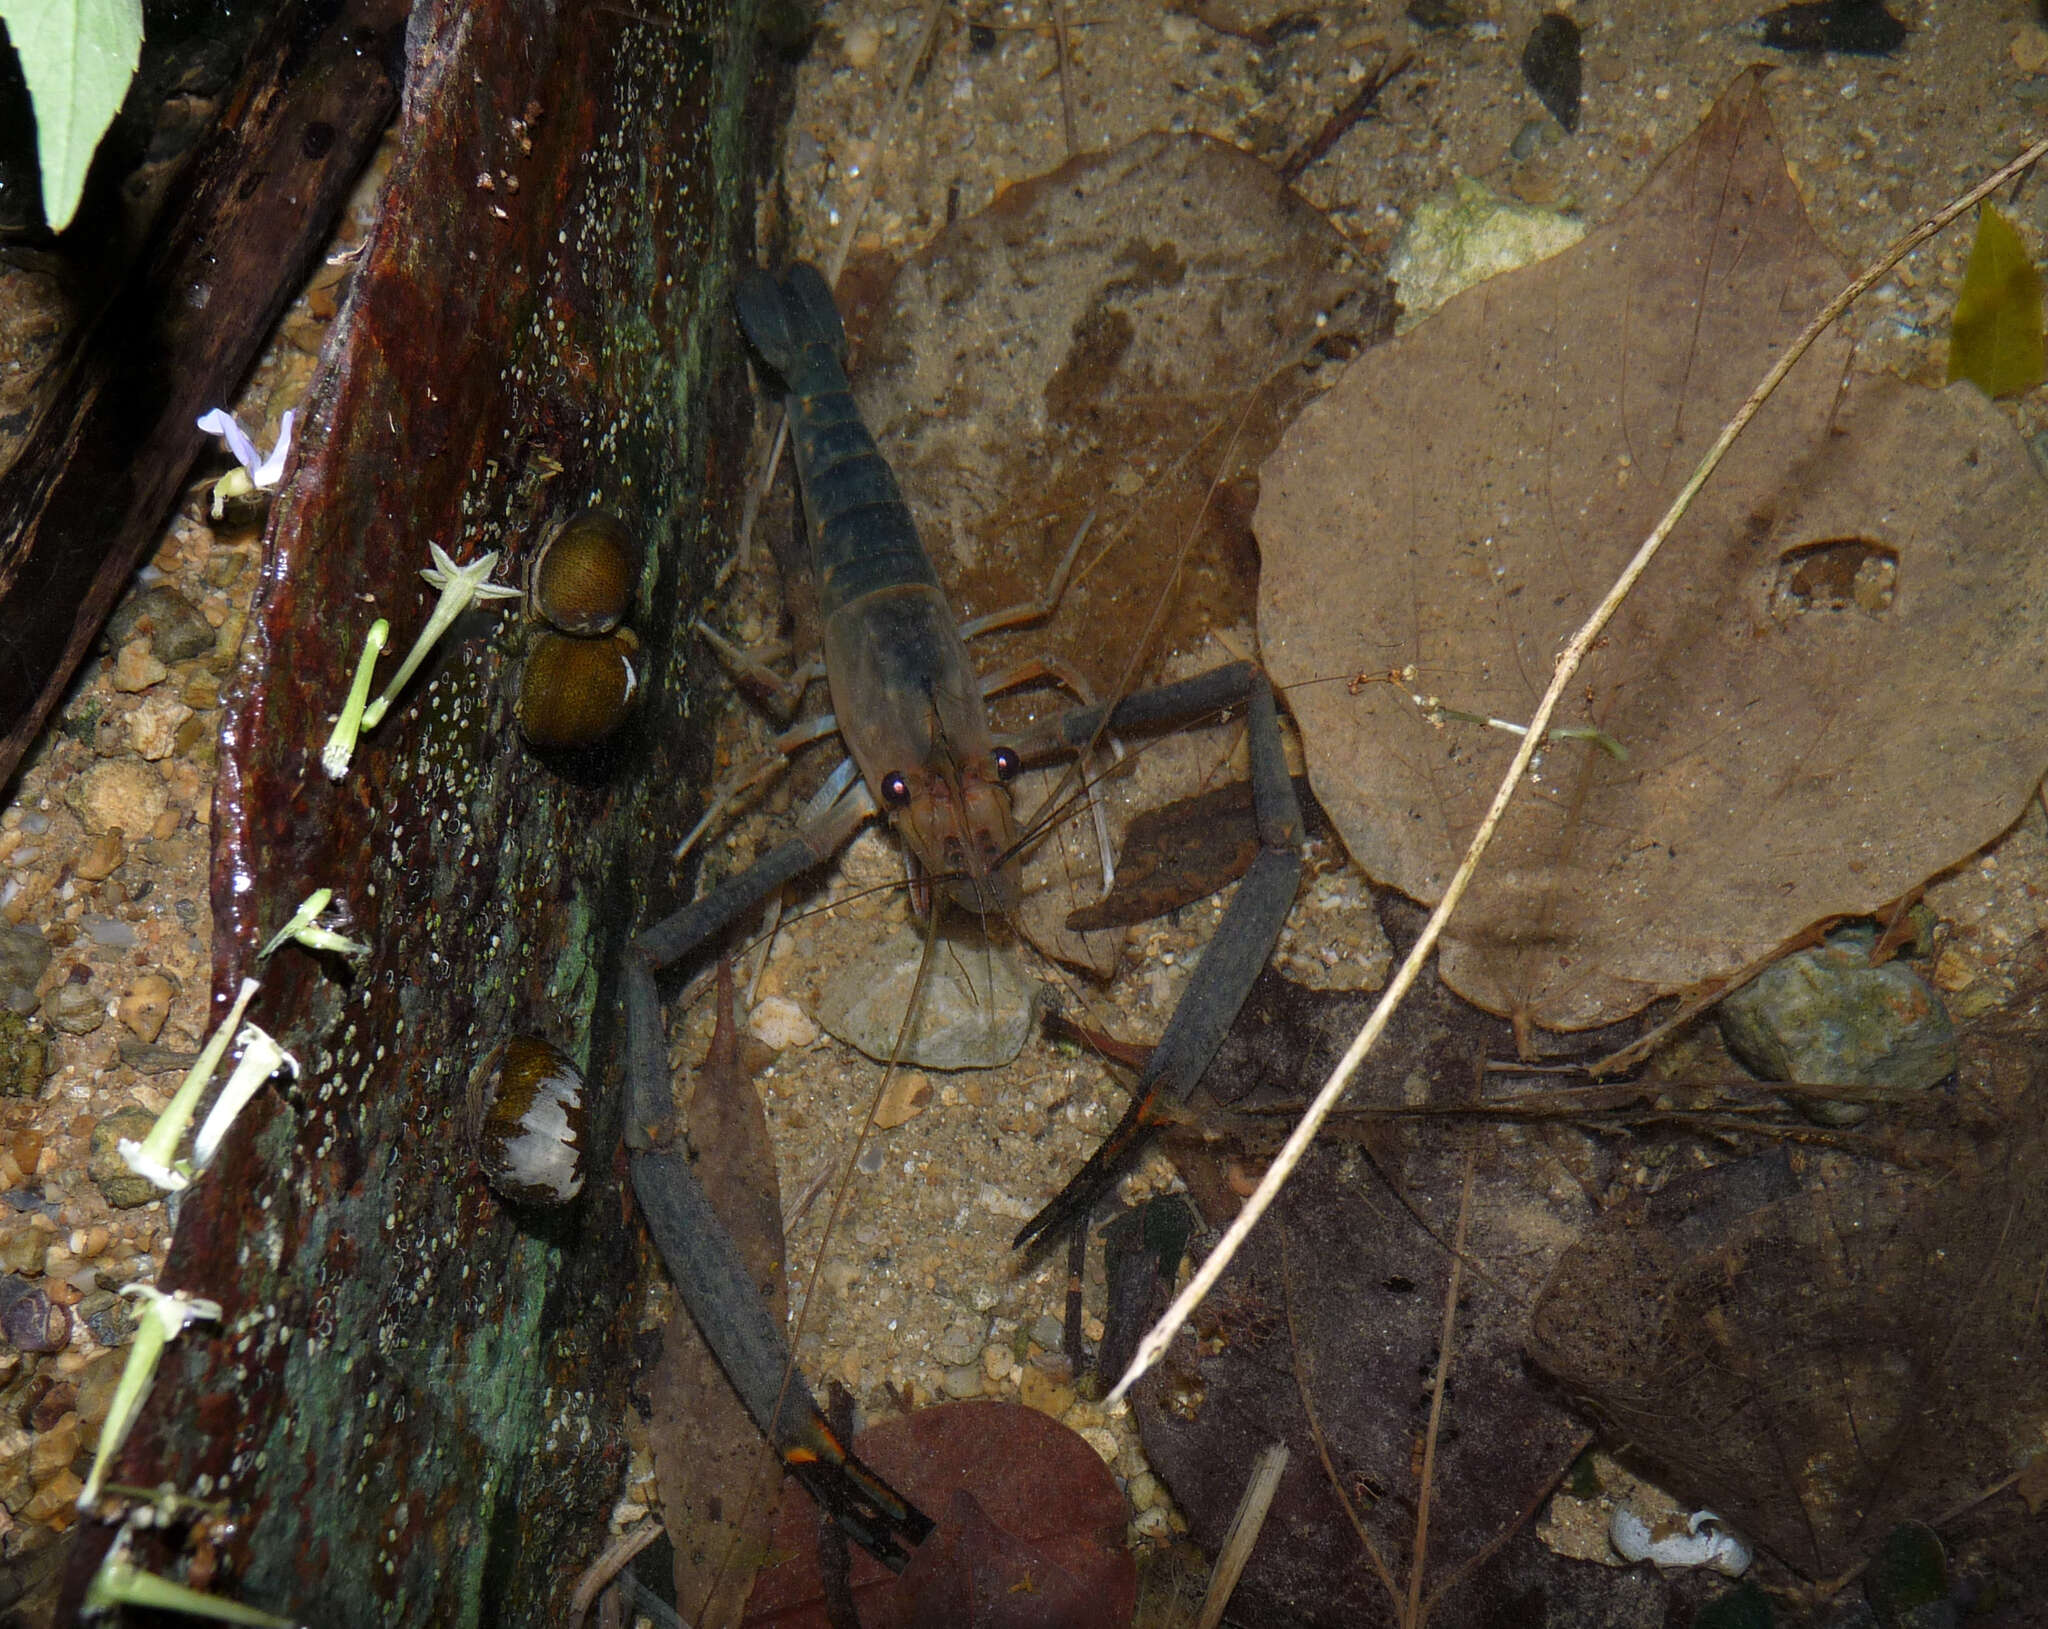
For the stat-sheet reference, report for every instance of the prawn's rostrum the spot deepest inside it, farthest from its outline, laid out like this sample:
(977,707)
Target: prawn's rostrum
(1704,1541)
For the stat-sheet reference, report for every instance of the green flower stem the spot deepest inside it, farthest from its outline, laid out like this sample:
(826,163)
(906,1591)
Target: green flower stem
(341,744)
(461,587)
(121,1583)
(164,1317)
(304,927)
(153,1155)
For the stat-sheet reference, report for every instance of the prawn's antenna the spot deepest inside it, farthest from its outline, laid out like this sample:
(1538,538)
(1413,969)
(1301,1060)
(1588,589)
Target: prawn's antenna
(1143,645)
(913,1013)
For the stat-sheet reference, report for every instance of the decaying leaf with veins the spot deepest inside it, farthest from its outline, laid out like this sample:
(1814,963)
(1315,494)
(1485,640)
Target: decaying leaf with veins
(1829,686)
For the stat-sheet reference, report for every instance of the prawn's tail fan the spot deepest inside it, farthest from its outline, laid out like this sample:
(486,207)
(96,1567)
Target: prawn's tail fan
(789,315)
(870,1512)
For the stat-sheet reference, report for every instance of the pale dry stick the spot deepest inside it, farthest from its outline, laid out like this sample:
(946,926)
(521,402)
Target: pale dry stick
(1446,1340)
(1160,1336)
(598,1575)
(835,263)
(1243,1536)
(1065,63)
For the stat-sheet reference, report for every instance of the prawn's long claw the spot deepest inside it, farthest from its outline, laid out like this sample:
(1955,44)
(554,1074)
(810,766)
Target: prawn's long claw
(1222,979)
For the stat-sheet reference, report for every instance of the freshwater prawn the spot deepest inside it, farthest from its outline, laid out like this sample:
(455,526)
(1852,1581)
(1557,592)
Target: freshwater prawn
(922,752)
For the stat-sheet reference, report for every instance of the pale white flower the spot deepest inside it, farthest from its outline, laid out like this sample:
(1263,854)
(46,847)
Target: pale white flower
(257,474)
(461,587)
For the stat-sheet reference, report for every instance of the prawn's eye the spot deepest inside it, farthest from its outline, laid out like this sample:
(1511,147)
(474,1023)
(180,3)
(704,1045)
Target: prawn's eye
(895,791)
(1007,764)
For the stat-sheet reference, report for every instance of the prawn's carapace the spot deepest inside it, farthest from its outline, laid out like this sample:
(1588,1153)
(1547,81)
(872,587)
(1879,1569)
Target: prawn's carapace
(908,705)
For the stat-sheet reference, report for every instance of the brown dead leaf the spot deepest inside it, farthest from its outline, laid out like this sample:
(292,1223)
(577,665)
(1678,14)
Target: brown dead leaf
(1031,1533)
(718,1474)
(1828,686)
(1820,1344)
(2032,1484)
(1113,336)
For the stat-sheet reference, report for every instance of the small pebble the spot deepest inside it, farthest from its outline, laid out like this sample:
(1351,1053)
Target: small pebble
(24,953)
(56,1448)
(1046,1387)
(146,1005)
(121,1187)
(958,1345)
(862,44)
(122,793)
(963,1381)
(904,1099)
(779,1022)
(23,1250)
(1153,1526)
(101,857)
(156,728)
(136,668)
(1103,1441)
(840,1276)
(996,1362)
(76,1009)
(175,628)
(2030,50)
(111,932)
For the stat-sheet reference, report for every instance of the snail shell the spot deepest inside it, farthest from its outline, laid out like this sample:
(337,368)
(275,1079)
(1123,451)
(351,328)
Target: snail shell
(534,1137)
(583,580)
(575,692)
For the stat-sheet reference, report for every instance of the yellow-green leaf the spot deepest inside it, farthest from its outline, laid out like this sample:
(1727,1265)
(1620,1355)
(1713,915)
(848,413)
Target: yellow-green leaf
(1996,342)
(78,57)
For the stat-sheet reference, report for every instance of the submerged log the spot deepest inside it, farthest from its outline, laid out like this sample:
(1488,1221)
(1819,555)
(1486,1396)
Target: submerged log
(412,1398)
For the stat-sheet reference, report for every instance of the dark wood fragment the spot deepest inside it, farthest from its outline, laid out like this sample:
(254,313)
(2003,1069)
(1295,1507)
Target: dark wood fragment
(86,495)
(1552,65)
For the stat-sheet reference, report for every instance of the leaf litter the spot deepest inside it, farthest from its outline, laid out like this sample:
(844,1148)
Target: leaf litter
(1828,688)
(719,1477)
(1823,580)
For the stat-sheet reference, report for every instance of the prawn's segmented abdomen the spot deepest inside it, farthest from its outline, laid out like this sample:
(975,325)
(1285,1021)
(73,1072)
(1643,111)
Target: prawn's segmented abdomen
(862,536)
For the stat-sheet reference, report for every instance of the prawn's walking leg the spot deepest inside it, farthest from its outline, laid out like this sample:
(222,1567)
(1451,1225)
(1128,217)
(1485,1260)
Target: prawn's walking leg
(728,1308)
(1244,939)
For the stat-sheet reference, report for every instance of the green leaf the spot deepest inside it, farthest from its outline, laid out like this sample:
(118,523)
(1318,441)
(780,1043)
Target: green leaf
(1996,342)
(78,57)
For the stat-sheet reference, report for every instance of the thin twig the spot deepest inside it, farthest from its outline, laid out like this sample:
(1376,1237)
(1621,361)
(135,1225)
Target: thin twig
(599,1574)
(1445,1344)
(1155,1343)
(1486,1552)
(1716,991)
(1339,124)
(1059,41)
(1243,1535)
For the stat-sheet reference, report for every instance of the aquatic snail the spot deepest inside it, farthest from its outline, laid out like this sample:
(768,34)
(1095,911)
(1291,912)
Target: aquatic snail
(583,579)
(578,682)
(531,1113)
(575,692)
